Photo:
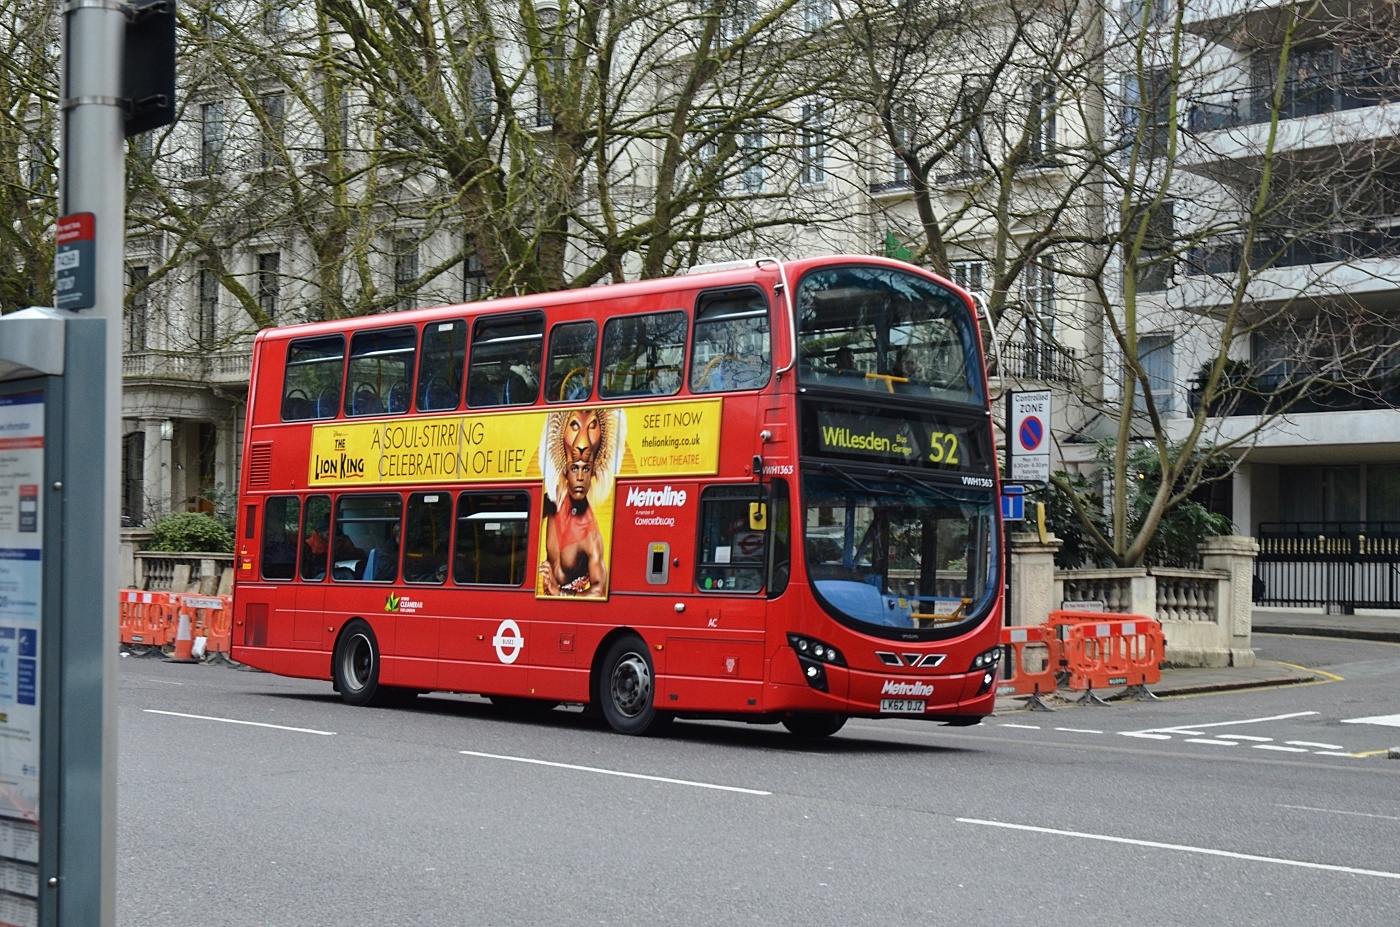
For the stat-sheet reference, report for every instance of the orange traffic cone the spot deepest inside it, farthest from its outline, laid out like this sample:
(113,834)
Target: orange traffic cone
(184,643)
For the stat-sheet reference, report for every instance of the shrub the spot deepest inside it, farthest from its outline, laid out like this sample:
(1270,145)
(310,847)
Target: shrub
(190,532)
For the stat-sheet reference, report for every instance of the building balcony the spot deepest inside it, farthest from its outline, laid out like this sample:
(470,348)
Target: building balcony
(1268,394)
(224,368)
(1349,108)
(1248,24)
(1041,361)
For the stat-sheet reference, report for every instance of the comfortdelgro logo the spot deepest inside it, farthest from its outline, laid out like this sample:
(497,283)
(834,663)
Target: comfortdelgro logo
(895,687)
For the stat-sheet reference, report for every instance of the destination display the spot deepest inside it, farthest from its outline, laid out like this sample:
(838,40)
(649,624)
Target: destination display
(908,439)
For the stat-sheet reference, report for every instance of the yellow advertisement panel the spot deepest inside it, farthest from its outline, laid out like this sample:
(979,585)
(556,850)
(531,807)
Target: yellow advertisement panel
(656,439)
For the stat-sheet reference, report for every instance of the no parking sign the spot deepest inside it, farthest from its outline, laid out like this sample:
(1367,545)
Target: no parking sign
(1028,436)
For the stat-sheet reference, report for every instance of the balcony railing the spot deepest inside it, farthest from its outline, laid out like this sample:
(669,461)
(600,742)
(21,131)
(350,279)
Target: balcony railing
(1224,257)
(1356,89)
(1042,361)
(223,367)
(1264,394)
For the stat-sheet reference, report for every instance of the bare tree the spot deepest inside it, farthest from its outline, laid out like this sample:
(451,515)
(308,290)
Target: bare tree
(28,150)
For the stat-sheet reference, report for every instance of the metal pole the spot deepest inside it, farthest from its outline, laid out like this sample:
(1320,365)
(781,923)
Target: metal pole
(92,179)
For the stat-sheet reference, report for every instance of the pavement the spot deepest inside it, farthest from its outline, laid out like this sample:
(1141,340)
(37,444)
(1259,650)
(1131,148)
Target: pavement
(1377,626)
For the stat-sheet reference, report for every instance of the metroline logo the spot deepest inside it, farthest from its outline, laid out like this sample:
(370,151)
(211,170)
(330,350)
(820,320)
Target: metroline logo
(665,496)
(894,687)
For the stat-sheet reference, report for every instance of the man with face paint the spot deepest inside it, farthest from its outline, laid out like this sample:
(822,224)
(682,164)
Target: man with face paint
(575,562)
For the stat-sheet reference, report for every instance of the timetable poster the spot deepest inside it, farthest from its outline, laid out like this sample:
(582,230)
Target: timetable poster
(21,575)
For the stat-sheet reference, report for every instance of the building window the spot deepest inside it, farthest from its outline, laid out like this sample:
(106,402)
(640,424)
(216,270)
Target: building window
(1147,124)
(473,278)
(133,479)
(274,18)
(812,143)
(482,95)
(902,126)
(1153,261)
(211,139)
(1041,121)
(970,275)
(406,272)
(753,173)
(1157,355)
(206,324)
(138,302)
(737,19)
(38,166)
(1038,287)
(274,107)
(269,284)
(969,148)
(815,14)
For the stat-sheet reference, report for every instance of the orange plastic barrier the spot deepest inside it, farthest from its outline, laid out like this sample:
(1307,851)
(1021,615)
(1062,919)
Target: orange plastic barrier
(1125,651)
(146,618)
(212,618)
(1033,660)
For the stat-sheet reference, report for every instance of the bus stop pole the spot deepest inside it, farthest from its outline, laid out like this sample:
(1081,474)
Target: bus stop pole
(92,179)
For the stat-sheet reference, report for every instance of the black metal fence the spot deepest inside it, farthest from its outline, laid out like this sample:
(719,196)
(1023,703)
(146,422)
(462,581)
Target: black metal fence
(1338,565)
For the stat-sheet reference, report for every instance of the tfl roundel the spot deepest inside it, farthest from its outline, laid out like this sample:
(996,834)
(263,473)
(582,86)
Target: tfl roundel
(1032,433)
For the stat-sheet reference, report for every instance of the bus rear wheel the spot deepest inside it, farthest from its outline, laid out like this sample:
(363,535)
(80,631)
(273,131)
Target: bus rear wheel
(815,724)
(355,666)
(625,688)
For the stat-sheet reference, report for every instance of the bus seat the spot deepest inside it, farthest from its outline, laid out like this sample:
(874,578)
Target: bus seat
(297,408)
(437,395)
(482,393)
(328,403)
(366,402)
(398,397)
(371,563)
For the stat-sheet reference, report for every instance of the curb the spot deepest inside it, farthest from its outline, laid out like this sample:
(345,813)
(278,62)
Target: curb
(1355,634)
(1014,704)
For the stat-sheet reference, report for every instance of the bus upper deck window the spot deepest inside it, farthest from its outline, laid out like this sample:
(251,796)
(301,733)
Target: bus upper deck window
(444,359)
(643,355)
(311,387)
(572,347)
(732,348)
(381,371)
(506,356)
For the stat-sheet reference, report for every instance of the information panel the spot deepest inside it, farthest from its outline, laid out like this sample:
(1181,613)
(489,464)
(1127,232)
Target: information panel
(21,575)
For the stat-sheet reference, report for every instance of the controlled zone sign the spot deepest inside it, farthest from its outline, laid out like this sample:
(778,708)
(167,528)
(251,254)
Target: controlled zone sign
(1028,436)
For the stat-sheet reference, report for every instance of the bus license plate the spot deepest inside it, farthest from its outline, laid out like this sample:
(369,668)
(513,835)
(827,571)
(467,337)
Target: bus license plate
(902,706)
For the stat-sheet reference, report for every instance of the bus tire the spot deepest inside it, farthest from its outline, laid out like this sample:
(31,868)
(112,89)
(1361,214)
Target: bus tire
(814,724)
(625,689)
(355,666)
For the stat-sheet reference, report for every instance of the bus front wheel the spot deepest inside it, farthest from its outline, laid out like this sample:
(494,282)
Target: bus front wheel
(355,665)
(626,687)
(815,724)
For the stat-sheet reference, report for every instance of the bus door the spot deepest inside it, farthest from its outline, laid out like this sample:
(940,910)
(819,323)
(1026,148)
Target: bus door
(309,620)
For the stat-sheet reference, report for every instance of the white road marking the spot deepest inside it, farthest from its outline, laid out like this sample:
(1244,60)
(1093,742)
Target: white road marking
(1195,730)
(1331,753)
(1309,743)
(1184,848)
(1212,741)
(1387,720)
(614,772)
(1279,748)
(276,727)
(1359,814)
(1262,740)
(1024,727)
(1077,730)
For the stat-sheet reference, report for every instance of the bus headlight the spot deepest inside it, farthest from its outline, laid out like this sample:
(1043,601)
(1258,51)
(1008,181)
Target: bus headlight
(986,660)
(813,656)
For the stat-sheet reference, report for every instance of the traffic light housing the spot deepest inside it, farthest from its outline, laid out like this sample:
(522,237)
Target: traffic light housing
(148,66)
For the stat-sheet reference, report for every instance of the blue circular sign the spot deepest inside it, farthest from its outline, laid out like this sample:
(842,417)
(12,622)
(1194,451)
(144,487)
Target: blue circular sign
(1032,433)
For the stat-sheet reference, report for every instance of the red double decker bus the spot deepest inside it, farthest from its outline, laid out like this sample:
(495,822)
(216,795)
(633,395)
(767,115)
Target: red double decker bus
(764,490)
